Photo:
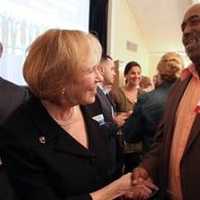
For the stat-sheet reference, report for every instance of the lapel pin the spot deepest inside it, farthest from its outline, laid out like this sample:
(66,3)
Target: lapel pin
(42,139)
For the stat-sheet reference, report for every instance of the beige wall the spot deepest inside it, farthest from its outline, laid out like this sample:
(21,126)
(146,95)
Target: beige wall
(122,27)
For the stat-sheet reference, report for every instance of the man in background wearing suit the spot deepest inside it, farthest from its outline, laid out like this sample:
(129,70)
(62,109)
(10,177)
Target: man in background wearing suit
(103,109)
(11,97)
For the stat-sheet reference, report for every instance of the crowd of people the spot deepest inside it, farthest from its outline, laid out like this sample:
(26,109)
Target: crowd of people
(70,135)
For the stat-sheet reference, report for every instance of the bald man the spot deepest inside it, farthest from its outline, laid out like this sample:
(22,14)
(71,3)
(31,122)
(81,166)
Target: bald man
(174,161)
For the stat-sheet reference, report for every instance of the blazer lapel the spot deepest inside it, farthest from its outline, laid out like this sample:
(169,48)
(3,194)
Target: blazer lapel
(51,134)
(193,133)
(97,140)
(109,96)
(169,122)
(196,125)
(170,113)
(66,144)
(105,104)
(173,103)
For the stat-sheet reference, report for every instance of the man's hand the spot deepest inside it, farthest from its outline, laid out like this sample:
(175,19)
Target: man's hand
(143,186)
(139,175)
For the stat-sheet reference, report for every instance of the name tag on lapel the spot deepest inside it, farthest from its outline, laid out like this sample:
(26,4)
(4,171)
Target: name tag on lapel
(99,118)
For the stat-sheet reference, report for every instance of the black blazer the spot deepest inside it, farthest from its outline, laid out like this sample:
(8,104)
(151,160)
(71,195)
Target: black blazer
(6,191)
(102,105)
(45,162)
(11,97)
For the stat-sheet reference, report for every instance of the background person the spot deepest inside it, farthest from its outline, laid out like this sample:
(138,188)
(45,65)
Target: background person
(103,110)
(146,84)
(125,98)
(11,97)
(148,111)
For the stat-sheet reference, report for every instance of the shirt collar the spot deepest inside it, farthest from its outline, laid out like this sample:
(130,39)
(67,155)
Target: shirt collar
(105,90)
(189,71)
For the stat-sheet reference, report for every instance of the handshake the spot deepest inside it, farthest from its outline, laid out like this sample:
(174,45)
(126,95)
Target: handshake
(139,185)
(136,185)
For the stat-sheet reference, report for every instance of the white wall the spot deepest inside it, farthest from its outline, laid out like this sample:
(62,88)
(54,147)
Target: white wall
(122,26)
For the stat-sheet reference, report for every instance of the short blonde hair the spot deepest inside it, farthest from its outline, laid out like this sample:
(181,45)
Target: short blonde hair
(170,65)
(56,57)
(145,82)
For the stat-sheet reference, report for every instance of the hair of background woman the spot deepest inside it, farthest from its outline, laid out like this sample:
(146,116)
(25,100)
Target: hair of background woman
(129,66)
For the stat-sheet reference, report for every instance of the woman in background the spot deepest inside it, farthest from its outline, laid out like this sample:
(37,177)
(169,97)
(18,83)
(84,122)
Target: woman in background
(51,149)
(125,98)
(148,112)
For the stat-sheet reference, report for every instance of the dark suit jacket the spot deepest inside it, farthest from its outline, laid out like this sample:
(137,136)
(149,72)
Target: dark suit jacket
(11,97)
(102,106)
(45,162)
(147,113)
(157,161)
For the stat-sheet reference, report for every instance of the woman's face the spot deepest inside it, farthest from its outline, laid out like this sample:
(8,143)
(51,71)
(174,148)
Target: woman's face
(134,76)
(82,88)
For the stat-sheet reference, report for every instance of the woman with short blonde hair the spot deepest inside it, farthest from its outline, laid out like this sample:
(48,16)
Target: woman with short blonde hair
(62,54)
(52,149)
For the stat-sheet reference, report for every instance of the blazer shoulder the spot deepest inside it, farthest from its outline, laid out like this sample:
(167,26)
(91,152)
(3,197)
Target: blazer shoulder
(17,124)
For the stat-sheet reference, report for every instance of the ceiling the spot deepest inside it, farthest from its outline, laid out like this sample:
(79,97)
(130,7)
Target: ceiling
(159,22)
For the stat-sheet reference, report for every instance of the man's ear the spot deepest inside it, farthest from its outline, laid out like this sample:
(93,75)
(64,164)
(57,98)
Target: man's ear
(100,68)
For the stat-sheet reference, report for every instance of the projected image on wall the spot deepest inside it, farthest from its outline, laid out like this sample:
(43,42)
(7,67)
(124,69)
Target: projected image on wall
(21,21)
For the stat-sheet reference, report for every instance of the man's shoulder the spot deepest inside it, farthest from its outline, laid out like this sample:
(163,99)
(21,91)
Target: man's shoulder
(11,89)
(145,96)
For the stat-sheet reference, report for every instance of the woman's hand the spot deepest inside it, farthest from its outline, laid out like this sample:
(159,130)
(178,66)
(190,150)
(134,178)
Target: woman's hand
(124,187)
